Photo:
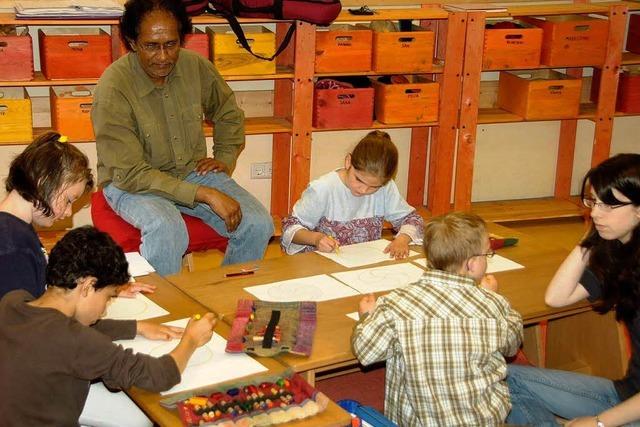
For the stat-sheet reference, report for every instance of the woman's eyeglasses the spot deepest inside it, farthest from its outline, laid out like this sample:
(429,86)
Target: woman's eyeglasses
(592,203)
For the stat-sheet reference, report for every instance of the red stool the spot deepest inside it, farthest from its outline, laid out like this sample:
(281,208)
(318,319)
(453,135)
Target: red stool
(201,236)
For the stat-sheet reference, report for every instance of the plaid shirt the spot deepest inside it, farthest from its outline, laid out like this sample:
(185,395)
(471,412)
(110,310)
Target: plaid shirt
(443,339)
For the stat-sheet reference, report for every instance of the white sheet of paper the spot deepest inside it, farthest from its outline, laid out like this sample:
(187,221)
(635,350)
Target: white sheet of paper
(355,316)
(378,279)
(495,264)
(138,308)
(138,266)
(312,288)
(208,365)
(360,254)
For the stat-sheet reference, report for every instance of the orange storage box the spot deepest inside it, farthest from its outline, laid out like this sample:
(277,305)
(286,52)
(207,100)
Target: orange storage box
(572,40)
(343,48)
(74,53)
(403,51)
(343,108)
(71,111)
(230,58)
(16,57)
(413,102)
(15,115)
(633,35)
(539,94)
(629,91)
(508,48)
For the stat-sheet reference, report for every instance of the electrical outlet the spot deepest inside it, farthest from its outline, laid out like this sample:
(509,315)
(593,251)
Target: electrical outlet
(261,170)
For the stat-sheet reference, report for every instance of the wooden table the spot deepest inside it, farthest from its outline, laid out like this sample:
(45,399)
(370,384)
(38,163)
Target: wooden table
(568,329)
(181,306)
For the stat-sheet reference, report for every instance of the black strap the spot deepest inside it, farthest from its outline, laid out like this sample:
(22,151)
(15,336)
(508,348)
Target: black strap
(267,341)
(237,29)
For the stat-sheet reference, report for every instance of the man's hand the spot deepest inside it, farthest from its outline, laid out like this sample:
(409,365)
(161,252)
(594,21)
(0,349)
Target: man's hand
(224,206)
(208,164)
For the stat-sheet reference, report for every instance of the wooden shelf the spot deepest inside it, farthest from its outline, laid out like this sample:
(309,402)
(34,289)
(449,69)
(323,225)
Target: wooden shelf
(282,72)
(498,115)
(437,69)
(378,125)
(528,209)
(567,8)
(630,58)
(394,14)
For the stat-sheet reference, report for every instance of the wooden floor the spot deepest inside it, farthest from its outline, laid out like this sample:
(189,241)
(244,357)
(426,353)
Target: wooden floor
(565,232)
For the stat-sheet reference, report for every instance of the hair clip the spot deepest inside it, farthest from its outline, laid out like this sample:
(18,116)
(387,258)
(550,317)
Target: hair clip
(63,138)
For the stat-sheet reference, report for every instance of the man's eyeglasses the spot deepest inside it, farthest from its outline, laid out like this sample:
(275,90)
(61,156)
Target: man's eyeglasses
(155,48)
(489,254)
(592,203)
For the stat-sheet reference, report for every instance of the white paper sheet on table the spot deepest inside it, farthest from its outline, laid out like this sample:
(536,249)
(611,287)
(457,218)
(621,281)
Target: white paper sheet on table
(495,264)
(378,279)
(360,254)
(355,316)
(138,265)
(138,308)
(312,288)
(208,365)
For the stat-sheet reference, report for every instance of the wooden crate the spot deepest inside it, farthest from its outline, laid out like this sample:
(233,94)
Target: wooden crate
(16,57)
(539,94)
(343,48)
(198,41)
(633,35)
(403,51)
(414,102)
(343,108)
(71,111)
(74,53)
(230,58)
(15,115)
(509,48)
(628,100)
(572,40)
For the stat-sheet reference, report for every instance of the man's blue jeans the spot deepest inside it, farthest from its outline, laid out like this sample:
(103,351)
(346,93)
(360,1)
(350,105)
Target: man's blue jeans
(538,395)
(164,233)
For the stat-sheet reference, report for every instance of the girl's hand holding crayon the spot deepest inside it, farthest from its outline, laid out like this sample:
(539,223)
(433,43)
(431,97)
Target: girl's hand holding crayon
(326,243)
(200,328)
(367,304)
(399,247)
(155,331)
(489,282)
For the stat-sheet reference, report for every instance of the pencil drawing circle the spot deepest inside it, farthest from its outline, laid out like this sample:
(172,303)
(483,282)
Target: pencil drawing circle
(201,356)
(294,291)
(379,279)
(126,308)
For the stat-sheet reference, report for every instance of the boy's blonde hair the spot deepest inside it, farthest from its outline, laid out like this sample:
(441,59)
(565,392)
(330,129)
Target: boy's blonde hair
(451,239)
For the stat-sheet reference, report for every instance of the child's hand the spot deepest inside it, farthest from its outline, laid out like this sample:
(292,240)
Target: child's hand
(133,288)
(154,331)
(367,304)
(199,331)
(489,282)
(326,243)
(582,421)
(399,247)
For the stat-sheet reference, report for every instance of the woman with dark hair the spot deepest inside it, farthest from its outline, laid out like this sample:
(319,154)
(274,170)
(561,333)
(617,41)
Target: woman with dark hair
(604,266)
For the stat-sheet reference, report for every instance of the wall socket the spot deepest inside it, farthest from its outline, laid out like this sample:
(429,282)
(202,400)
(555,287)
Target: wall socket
(261,170)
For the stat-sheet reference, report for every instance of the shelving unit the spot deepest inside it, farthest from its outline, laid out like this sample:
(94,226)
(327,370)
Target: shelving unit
(602,113)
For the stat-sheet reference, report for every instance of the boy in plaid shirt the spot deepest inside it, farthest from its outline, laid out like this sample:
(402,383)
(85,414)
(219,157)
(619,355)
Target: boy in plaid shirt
(444,337)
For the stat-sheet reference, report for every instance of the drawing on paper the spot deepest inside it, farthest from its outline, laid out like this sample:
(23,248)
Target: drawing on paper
(383,280)
(295,291)
(126,308)
(201,356)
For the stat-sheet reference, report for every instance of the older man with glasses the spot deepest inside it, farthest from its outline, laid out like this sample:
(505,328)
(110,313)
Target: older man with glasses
(152,157)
